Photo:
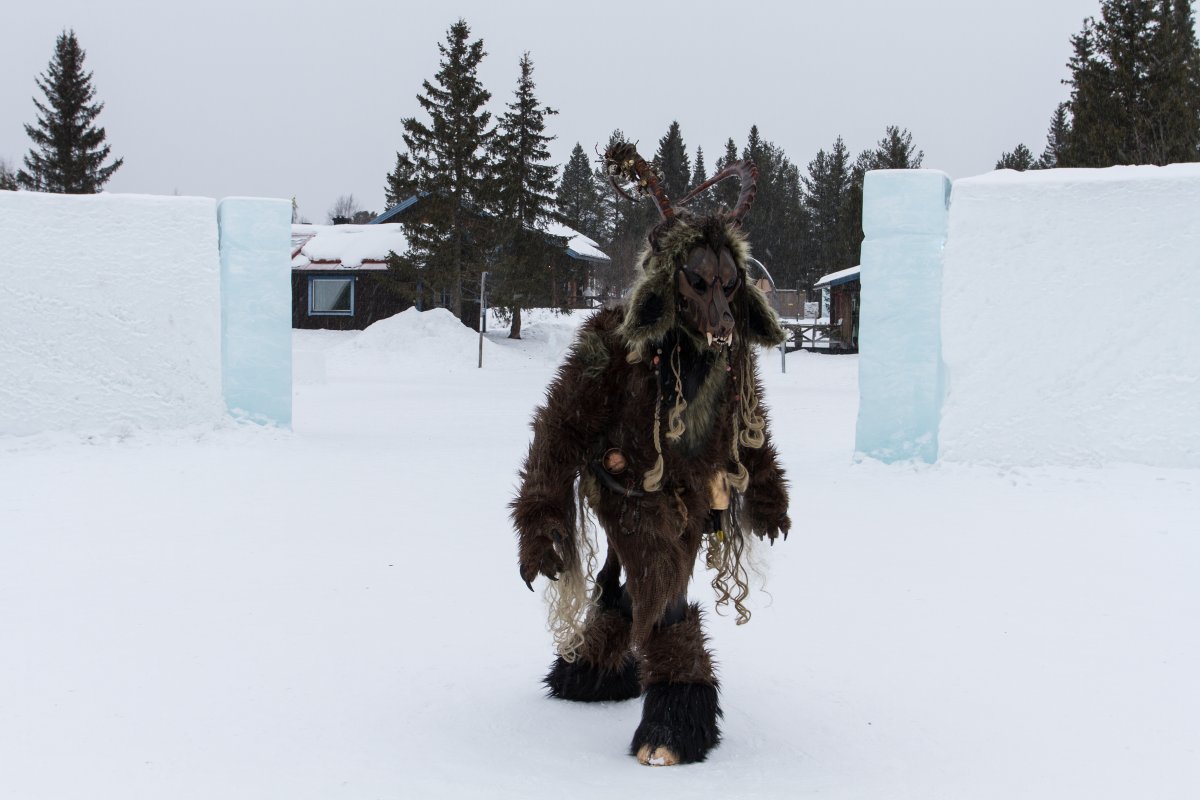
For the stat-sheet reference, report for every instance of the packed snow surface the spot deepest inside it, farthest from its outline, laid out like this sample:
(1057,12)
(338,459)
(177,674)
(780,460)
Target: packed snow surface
(237,612)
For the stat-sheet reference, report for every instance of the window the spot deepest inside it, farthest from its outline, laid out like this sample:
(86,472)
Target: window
(331,296)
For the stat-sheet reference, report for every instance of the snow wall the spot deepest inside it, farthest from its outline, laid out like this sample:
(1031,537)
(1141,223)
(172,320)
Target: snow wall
(111,312)
(1069,318)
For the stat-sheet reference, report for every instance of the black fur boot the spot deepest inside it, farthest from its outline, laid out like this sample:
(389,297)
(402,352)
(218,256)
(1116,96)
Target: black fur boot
(679,724)
(583,681)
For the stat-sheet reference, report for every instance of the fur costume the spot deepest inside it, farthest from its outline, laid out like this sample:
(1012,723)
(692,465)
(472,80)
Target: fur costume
(660,436)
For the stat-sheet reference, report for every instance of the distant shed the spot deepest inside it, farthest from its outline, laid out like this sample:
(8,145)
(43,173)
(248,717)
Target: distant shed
(843,288)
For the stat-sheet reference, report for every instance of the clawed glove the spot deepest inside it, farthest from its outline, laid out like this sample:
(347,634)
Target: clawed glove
(539,556)
(772,532)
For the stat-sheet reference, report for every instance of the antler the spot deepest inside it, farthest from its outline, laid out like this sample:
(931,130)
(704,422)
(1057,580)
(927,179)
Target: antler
(623,164)
(747,173)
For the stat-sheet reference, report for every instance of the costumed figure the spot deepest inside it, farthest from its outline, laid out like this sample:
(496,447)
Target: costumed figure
(654,426)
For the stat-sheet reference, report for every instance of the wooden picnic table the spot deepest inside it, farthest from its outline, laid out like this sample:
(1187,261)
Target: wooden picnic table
(809,333)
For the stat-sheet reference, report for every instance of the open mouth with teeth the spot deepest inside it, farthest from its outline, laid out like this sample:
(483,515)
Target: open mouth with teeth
(720,341)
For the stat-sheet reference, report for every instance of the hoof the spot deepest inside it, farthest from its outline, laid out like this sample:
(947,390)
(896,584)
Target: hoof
(657,756)
(679,724)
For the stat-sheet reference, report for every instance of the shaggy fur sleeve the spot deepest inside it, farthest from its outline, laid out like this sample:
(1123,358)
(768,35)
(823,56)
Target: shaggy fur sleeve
(765,506)
(575,410)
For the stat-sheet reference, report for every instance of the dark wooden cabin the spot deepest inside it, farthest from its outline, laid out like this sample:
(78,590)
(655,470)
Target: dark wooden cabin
(843,289)
(337,273)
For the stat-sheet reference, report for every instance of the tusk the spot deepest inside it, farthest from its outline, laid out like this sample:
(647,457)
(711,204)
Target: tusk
(710,338)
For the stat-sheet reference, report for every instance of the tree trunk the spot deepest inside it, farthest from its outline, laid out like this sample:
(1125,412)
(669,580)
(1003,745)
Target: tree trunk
(514,331)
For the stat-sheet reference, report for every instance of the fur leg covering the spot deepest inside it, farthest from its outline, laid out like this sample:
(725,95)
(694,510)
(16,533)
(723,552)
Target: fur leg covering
(680,709)
(603,669)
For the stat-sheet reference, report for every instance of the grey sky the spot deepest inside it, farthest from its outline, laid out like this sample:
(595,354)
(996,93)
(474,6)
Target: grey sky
(305,99)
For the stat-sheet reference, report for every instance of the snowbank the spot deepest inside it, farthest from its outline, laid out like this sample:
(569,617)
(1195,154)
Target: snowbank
(111,312)
(1070,331)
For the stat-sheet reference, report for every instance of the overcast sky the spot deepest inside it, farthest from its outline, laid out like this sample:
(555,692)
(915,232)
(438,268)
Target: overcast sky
(304,99)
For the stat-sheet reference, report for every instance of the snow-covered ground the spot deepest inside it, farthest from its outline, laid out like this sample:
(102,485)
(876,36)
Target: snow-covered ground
(336,612)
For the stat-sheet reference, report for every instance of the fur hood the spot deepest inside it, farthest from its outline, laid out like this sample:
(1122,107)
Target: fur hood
(653,303)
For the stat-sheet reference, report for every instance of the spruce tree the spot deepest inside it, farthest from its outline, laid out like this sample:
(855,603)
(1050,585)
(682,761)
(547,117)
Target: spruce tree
(447,164)
(754,146)
(69,150)
(578,199)
(672,161)
(1056,138)
(1103,92)
(1173,85)
(1020,159)
(827,198)
(8,178)
(777,222)
(1135,86)
(894,151)
(706,201)
(525,202)
(726,192)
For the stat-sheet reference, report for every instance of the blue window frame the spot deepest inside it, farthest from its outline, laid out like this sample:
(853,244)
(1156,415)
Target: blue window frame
(331,297)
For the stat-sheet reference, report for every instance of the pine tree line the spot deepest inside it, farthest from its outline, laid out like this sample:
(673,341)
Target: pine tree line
(802,225)
(1134,91)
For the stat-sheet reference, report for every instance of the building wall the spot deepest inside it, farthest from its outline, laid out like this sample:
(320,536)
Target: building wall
(372,302)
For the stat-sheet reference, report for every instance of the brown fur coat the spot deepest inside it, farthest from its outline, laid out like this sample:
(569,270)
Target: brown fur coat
(624,370)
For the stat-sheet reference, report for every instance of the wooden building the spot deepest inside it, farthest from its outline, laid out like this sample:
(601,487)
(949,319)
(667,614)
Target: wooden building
(840,296)
(337,273)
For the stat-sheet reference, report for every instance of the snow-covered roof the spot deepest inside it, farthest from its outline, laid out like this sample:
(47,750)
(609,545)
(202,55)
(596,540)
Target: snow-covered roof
(578,245)
(837,278)
(345,246)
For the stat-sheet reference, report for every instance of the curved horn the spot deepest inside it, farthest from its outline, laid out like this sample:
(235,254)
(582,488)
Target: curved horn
(744,170)
(622,163)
